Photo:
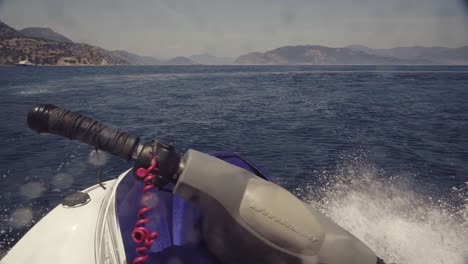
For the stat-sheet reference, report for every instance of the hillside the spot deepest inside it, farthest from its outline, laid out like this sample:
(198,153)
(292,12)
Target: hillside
(14,47)
(7,32)
(135,59)
(316,55)
(180,61)
(54,53)
(415,52)
(44,33)
(43,46)
(427,55)
(453,56)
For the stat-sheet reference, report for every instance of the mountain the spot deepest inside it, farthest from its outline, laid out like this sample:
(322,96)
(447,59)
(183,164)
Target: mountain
(135,59)
(411,53)
(207,59)
(316,55)
(453,56)
(427,55)
(180,61)
(44,33)
(415,52)
(7,32)
(14,47)
(44,52)
(360,48)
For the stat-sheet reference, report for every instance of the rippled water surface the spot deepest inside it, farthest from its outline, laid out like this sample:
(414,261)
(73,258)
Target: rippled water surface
(381,150)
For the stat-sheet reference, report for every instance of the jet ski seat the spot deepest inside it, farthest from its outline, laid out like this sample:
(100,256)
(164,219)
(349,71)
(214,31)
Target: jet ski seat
(179,224)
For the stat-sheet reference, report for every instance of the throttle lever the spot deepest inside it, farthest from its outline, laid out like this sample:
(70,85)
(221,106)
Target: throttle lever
(167,158)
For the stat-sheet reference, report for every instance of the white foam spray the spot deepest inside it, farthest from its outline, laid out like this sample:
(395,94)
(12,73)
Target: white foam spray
(32,190)
(97,158)
(401,225)
(21,217)
(63,181)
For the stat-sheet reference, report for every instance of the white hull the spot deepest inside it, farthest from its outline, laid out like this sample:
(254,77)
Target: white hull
(84,234)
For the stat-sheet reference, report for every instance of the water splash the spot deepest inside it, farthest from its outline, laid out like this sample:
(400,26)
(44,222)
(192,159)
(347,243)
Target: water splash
(97,158)
(63,181)
(22,217)
(32,190)
(401,225)
(35,92)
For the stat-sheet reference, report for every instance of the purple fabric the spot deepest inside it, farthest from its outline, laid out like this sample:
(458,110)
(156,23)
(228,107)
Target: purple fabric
(178,223)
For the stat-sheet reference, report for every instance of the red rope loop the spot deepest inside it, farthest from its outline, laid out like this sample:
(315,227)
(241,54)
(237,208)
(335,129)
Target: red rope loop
(141,234)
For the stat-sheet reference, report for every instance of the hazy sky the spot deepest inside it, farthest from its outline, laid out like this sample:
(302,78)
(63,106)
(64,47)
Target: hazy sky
(167,28)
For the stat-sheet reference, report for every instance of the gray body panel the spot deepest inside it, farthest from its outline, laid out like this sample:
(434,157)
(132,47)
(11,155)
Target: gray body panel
(250,220)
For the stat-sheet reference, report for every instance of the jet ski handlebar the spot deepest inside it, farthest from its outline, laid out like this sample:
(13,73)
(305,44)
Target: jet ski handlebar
(50,119)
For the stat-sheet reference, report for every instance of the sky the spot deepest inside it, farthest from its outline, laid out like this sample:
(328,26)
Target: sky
(169,28)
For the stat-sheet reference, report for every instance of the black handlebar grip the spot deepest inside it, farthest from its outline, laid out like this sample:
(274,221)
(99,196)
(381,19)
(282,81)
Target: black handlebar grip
(47,118)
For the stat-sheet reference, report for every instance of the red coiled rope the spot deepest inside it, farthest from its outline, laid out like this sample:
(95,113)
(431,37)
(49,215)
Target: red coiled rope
(141,234)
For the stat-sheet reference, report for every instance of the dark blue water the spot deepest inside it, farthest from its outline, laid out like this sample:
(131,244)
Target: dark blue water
(308,127)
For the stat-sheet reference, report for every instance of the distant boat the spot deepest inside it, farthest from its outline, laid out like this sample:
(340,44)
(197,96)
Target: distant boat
(25,63)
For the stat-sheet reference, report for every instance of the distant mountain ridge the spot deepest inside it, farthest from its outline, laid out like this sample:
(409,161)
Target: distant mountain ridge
(432,55)
(7,32)
(355,54)
(315,55)
(43,46)
(135,59)
(180,61)
(454,56)
(15,47)
(401,52)
(44,33)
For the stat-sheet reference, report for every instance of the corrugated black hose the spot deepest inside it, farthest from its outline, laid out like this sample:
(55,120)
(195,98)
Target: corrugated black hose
(48,118)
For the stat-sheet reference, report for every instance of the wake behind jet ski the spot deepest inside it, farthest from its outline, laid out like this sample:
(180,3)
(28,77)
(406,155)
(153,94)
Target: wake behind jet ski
(197,208)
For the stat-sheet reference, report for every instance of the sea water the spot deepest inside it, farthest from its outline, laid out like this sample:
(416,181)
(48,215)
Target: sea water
(383,151)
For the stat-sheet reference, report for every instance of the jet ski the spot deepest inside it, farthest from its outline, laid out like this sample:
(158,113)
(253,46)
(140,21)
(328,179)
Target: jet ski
(194,208)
